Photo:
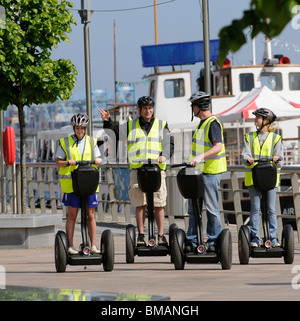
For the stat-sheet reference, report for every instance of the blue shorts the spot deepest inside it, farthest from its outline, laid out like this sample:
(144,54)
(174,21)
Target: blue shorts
(71,199)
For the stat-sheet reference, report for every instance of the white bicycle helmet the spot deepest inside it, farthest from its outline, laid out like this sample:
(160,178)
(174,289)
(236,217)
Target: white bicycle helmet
(82,120)
(200,99)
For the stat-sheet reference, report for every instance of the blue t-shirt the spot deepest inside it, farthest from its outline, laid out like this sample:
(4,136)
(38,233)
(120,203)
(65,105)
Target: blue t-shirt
(215,134)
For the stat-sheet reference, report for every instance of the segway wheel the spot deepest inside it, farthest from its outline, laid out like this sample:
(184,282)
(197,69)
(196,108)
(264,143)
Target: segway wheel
(178,247)
(225,248)
(244,244)
(107,250)
(60,251)
(288,244)
(130,243)
(172,228)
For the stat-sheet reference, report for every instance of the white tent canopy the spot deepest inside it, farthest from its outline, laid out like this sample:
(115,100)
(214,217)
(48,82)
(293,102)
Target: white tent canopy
(258,98)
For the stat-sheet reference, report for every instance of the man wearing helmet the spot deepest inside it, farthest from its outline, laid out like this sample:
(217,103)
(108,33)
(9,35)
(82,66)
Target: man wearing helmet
(262,142)
(207,145)
(76,147)
(140,133)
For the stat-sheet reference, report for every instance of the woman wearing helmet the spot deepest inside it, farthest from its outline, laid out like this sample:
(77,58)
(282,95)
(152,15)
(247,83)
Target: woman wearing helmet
(76,147)
(262,142)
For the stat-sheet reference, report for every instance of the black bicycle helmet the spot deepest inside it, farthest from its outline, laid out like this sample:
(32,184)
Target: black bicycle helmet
(265,113)
(80,120)
(145,101)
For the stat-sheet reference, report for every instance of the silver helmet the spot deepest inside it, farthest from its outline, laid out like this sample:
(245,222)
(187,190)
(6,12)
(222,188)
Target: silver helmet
(200,99)
(82,120)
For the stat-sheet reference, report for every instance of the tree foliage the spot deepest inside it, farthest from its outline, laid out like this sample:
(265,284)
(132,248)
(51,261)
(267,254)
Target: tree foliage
(28,75)
(266,16)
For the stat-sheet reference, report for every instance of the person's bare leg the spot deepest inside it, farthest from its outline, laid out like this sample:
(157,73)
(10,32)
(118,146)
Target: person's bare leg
(70,224)
(92,226)
(159,215)
(140,215)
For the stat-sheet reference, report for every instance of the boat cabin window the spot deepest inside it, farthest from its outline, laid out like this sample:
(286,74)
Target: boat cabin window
(174,88)
(246,82)
(294,80)
(272,80)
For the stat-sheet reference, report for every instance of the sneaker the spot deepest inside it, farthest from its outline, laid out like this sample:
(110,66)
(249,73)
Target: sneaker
(254,244)
(162,240)
(211,248)
(275,243)
(72,251)
(141,240)
(189,248)
(94,250)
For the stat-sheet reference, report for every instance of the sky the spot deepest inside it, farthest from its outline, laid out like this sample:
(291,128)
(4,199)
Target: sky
(177,21)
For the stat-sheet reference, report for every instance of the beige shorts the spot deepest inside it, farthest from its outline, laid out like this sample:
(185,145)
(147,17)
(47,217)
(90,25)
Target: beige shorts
(138,198)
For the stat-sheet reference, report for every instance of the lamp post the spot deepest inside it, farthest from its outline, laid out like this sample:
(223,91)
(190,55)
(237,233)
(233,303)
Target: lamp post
(85,15)
(207,83)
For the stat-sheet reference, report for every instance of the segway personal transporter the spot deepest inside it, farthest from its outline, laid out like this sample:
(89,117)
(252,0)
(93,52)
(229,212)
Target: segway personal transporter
(190,184)
(149,181)
(264,179)
(85,181)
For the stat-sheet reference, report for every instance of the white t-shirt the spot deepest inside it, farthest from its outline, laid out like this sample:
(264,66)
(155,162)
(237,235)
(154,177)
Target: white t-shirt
(60,153)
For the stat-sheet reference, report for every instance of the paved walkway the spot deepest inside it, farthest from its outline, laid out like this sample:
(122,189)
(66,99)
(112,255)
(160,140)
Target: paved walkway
(261,279)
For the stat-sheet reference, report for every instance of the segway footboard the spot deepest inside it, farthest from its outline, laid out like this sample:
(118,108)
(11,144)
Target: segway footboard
(262,251)
(81,259)
(157,250)
(202,258)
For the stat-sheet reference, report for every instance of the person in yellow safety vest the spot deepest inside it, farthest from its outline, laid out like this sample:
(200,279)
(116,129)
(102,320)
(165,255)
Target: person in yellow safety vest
(76,147)
(262,142)
(207,145)
(147,138)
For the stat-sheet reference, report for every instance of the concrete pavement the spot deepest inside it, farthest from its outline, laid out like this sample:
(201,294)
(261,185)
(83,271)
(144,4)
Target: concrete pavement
(261,279)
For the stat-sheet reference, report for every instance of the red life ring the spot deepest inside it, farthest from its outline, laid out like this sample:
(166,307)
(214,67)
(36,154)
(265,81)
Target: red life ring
(9,146)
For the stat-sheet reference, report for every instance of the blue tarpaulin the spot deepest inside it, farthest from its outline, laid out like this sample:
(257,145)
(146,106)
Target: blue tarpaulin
(181,53)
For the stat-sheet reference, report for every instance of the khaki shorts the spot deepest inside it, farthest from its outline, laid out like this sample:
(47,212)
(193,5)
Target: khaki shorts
(138,198)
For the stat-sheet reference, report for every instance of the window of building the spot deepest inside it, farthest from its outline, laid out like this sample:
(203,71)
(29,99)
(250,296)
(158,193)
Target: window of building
(246,82)
(294,80)
(174,88)
(272,80)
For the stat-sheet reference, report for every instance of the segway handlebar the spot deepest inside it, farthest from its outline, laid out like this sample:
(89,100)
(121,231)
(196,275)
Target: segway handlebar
(185,164)
(264,159)
(82,163)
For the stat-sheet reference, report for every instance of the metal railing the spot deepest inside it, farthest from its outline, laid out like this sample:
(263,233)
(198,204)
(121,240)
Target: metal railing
(44,194)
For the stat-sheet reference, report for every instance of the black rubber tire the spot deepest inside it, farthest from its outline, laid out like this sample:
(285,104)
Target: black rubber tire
(107,250)
(225,248)
(178,249)
(130,243)
(288,244)
(60,251)
(243,244)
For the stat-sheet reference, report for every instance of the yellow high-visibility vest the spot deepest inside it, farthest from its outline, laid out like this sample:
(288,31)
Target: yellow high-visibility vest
(257,151)
(72,152)
(142,147)
(201,143)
